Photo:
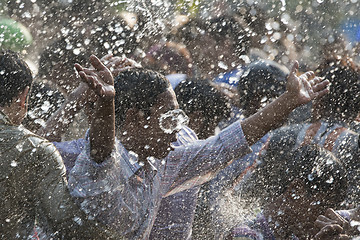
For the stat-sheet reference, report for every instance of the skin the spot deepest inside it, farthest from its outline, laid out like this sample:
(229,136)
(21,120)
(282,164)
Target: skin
(299,90)
(78,99)
(333,226)
(17,109)
(299,212)
(138,137)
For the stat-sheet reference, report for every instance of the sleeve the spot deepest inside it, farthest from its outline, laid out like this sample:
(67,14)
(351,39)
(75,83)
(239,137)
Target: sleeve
(55,202)
(102,191)
(197,163)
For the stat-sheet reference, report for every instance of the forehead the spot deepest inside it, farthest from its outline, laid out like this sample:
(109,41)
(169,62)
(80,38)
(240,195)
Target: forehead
(167,100)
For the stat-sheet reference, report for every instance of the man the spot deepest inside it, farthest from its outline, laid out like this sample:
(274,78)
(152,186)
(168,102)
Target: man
(330,126)
(32,172)
(206,106)
(124,190)
(291,202)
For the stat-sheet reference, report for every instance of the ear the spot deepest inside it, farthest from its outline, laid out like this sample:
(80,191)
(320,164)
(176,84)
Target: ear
(23,97)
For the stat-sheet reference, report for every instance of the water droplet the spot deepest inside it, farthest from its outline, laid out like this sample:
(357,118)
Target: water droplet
(13,164)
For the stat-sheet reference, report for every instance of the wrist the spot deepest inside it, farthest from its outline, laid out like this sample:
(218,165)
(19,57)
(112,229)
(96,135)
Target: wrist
(289,101)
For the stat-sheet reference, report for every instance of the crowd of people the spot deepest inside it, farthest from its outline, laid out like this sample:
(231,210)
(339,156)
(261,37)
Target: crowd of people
(194,133)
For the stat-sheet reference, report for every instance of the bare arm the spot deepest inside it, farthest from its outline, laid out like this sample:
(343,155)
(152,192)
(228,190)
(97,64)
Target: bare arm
(299,90)
(102,129)
(59,122)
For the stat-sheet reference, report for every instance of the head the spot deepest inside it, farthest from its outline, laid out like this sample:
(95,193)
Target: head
(215,45)
(145,120)
(169,58)
(342,103)
(205,105)
(16,79)
(299,187)
(57,61)
(261,82)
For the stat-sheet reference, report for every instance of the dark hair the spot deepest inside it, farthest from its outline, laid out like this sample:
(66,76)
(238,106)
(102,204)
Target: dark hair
(15,76)
(65,51)
(318,168)
(137,88)
(217,28)
(261,79)
(230,27)
(174,55)
(343,100)
(199,95)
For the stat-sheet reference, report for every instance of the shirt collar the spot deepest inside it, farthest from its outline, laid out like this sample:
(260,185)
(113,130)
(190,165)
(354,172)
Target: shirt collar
(131,160)
(4,119)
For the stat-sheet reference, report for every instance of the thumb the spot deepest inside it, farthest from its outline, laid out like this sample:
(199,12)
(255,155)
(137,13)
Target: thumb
(294,69)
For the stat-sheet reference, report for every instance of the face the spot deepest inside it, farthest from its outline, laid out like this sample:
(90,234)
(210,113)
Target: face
(157,129)
(297,211)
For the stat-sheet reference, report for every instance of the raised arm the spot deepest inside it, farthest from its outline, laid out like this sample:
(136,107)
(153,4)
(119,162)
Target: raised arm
(299,90)
(102,129)
(60,121)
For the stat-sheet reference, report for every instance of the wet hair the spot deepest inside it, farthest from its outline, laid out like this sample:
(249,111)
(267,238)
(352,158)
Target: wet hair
(230,27)
(199,95)
(343,100)
(174,55)
(319,169)
(217,28)
(137,88)
(15,76)
(261,79)
(65,51)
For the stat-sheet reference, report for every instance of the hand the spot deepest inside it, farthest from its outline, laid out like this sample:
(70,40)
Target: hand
(118,64)
(332,226)
(306,87)
(98,78)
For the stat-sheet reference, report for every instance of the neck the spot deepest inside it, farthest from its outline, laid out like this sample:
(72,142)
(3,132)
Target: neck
(14,115)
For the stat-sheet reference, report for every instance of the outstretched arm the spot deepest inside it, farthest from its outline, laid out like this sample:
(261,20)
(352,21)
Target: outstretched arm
(60,121)
(102,129)
(299,90)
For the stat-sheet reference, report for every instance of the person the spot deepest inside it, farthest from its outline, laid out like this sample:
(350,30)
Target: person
(216,45)
(261,82)
(330,124)
(340,224)
(124,189)
(205,106)
(315,180)
(33,183)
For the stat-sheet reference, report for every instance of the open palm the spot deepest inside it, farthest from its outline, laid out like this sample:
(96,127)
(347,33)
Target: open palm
(305,87)
(98,78)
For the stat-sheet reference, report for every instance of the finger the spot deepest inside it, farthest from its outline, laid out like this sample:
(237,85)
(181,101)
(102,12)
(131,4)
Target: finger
(107,57)
(89,72)
(89,80)
(328,231)
(96,63)
(316,80)
(309,75)
(294,68)
(330,213)
(78,67)
(320,224)
(343,237)
(321,86)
